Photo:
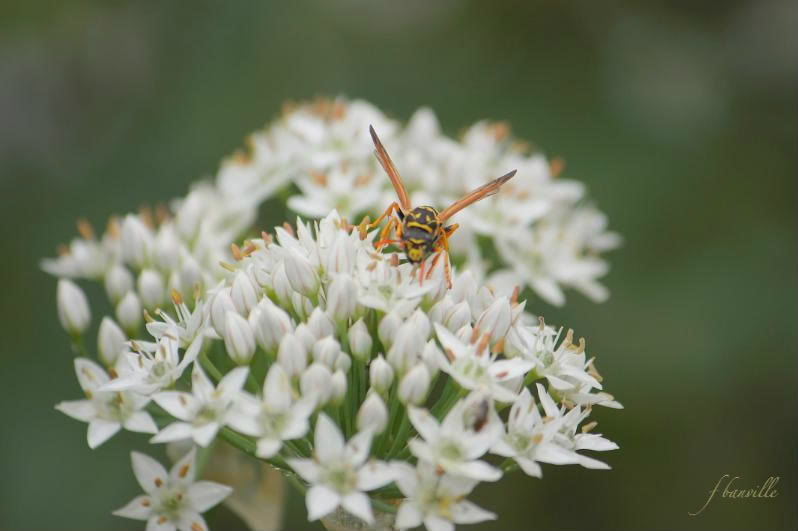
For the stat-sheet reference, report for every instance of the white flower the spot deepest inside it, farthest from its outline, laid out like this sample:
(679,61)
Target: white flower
(275,418)
(220,305)
(292,355)
(414,385)
(316,383)
(239,340)
(172,500)
(204,411)
(300,273)
(106,412)
(342,297)
(372,414)
(73,307)
(243,293)
(111,341)
(271,324)
(151,288)
(137,241)
(118,281)
(128,312)
(475,368)
(435,500)
(189,324)
(339,474)
(360,341)
(455,445)
(153,366)
(532,438)
(380,374)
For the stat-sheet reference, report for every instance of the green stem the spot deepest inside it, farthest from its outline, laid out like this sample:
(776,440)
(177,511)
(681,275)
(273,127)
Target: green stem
(209,367)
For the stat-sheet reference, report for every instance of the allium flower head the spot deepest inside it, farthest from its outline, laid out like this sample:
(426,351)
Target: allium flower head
(307,348)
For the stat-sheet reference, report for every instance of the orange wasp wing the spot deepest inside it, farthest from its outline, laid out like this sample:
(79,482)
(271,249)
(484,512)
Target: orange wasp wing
(390,169)
(475,195)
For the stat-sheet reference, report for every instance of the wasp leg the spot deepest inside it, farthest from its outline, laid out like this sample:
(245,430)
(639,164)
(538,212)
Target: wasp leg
(449,231)
(365,226)
(434,262)
(421,273)
(385,233)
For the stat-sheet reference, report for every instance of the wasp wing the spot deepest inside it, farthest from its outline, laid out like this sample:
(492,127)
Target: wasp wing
(390,169)
(475,195)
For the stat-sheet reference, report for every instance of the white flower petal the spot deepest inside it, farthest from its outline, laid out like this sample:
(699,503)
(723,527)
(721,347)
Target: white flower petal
(321,501)
(232,382)
(465,512)
(91,376)
(425,424)
(306,468)
(82,410)
(160,523)
(141,422)
(182,471)
(101,430)
(205,494)
(476,470)
(436,523)
(178,404)
(205,434)
(408,516)
(268,447)
(176,431)
(329,442)
(357,449)
(530,467)
(191,521)
(140,508)
(374,475)
(149,473)
(359,505)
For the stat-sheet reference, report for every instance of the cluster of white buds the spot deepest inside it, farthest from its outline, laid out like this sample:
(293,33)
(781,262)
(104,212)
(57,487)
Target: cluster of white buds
(333,362)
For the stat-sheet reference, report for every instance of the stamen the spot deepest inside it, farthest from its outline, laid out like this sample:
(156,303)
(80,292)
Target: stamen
(145,215)
(483,344)
(236,252)
(196,526)
(148,317)
(145,502)
(556,166)
(85,229)
(229,267)
(184,470)
(394,260)
(318,178)
(450,354)
(162,214)
(112,373)
(267,238)
(288,228)
(113,228)
(589,426)
(516,293)
(474,335)
(176,297)
(62,249)
(498,348)
(541,323)
(158,482)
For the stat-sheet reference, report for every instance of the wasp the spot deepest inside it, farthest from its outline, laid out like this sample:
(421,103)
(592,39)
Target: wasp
(421,231)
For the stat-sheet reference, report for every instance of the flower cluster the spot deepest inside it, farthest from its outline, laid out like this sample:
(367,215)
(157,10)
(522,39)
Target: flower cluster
(375,392)
(336,364)
(545,233)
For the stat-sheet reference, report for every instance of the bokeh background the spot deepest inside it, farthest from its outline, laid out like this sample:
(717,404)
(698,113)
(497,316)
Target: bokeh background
(679,116)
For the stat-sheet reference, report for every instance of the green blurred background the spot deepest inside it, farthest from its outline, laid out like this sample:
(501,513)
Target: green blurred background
(679,116)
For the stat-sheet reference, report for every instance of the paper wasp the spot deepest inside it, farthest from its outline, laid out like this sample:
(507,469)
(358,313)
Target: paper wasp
(421,231)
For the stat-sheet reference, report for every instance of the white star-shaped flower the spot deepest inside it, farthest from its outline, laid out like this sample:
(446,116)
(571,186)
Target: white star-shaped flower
(171,500)
(435,500)
(154,366)
(274,418)
(107,412)
(456,445)
(339,474)
(475,368)
(204,411)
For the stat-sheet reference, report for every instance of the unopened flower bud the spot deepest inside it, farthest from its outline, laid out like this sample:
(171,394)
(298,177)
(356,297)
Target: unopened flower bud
(342,298)
(464,333)
(151,288)
(340,258)
(387,328)
(420,323)
(438,310)
(316,382)
(372,414)
(431,356)
(73,307)
(320,324)
(282,288)
(406,348)
(360,341)
(338,388)
(305,336)
(110,341)
(292,355)
(190,275)
(239,341)
(300,273)
(414,386)
(118,281)
(343,362)
(380,374)
(128,313)
(166,251)
(458,316)
(136,241)
(222,303)
(243,294)
(464,288)
(302,306)
(326,351)
(271,325)
(495,320)
(277,390)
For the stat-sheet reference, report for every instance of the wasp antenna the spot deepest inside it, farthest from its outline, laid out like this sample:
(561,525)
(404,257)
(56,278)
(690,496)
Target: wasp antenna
(506,177)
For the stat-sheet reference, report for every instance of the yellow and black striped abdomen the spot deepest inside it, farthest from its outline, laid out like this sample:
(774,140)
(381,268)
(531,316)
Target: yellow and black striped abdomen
(420,232)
